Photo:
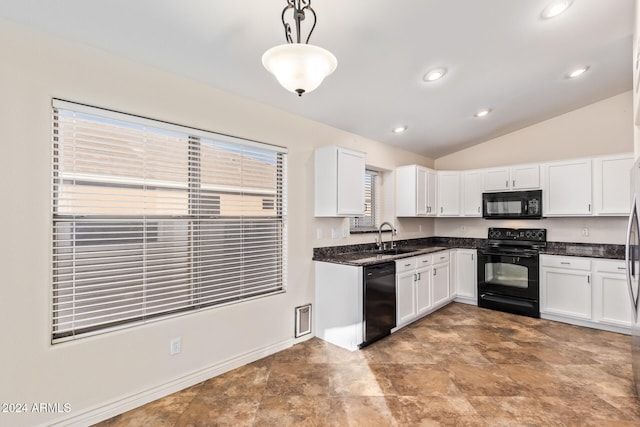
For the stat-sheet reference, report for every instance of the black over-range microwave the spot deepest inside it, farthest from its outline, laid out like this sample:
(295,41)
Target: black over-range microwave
(512,204)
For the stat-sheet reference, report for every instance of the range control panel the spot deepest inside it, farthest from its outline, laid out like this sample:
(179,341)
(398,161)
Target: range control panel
(530,234)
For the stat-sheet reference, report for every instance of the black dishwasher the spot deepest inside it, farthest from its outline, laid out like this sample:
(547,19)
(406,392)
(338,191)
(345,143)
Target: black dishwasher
(379,301)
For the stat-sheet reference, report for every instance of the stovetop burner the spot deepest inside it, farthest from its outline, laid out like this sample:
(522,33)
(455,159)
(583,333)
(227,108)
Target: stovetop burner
(534,238)
(531,234)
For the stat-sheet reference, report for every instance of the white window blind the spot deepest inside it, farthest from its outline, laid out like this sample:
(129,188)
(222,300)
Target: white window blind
(152,219)
(369,221)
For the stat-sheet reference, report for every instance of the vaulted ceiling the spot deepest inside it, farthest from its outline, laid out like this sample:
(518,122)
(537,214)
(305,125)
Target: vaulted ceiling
(498,54)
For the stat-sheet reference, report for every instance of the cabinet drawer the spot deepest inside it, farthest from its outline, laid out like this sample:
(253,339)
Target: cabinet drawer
(406,264)
(573,263)
(610,266)
(441,257)
(424,261)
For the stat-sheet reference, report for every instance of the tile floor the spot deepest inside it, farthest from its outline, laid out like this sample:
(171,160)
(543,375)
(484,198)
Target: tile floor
(460,366)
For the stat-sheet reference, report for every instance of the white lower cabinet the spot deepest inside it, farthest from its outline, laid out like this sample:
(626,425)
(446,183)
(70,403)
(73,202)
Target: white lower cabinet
(566,289)
(422,285)
(440,279)
(466,276)
(584,291)
(611,294)
(406,307)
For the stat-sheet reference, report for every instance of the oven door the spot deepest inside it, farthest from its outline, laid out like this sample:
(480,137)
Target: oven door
(510,273)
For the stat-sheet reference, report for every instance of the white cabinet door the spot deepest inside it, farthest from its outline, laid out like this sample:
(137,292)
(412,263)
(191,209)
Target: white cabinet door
(567,188)
(431,193)
(351,176)
(566,292)
(422,195)
(612,299)
(611,293)
(496,179)
(525,177)
(338,182)
(423,290)
(472,184)
(440,284)
(466,275)
(612,185)
(449,192)
(405,297)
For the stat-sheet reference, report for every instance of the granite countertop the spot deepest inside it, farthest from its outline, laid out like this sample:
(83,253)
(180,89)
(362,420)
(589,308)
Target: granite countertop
(364,258)
(364,254)
(590,250)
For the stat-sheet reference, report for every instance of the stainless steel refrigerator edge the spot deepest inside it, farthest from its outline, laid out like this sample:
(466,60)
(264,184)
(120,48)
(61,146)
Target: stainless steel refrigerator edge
(632,258)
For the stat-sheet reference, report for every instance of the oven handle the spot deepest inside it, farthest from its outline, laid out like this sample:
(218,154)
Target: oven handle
(504,254)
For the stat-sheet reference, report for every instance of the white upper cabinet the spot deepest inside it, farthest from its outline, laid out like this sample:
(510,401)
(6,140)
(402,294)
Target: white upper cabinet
(612,184)
(521,177)
(567,188)
(449,193)
(339,182)
(496,179)
(472,193)
(415,191)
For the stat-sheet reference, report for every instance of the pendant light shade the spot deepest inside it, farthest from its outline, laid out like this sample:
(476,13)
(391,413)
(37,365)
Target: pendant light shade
(299,68)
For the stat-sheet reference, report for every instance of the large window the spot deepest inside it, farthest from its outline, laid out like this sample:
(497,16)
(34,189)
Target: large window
(152,219)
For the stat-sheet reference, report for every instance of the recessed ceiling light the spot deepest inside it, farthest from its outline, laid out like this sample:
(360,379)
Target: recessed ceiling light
(435,74)
(577,72)
(555,9)
(399,129)
(482,113)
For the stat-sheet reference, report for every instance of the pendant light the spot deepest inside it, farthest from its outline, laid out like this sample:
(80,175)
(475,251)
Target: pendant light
(299,67)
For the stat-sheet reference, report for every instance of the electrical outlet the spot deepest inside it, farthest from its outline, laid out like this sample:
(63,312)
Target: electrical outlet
(335,233)
(175,346)
(585,232)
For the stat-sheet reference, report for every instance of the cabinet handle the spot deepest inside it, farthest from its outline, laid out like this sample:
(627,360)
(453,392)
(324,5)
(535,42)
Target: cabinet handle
(565,263)
(435,271)
(588,278)
(419,276)
(471,257)
(514,183)
(478,209)
(441,208)
(407,265)
(589,207)
(621,268)
(506,184)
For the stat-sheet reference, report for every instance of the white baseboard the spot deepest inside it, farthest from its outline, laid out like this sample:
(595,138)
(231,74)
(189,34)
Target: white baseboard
(105,411)
(587,323)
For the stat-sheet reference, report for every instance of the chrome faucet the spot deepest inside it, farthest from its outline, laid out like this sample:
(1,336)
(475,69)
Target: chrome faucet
(379,243)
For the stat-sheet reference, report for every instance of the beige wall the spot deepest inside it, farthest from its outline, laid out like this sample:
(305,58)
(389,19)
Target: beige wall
(636,82)
(604,127)
(108,373)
